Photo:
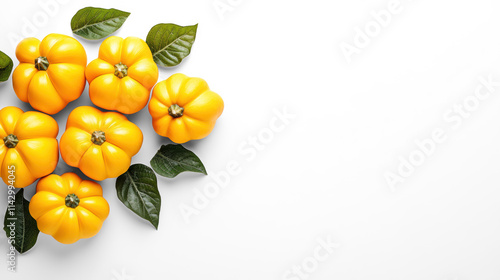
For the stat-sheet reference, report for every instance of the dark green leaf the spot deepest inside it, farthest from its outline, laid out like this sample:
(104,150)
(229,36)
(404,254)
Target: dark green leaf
(138,190)
(171,43)
(6,65)
(97,23)
(20,227)
(171,160)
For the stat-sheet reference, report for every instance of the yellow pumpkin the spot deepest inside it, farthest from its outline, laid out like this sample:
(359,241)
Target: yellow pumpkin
(184,108)
(68,208)
(51,73)
(28,146)
(122,77)
(101,144)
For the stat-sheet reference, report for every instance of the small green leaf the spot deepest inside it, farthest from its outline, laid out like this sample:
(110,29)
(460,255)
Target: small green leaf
(171,43)
(171,160)
(96,23)
(21,229)
(138,190)
(6,66)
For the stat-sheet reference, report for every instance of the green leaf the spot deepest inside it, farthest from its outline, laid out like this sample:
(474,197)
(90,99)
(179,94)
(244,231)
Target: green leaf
(171,43)
(6,66)
(138,190)
(171,160)
(96,23)
(20,227)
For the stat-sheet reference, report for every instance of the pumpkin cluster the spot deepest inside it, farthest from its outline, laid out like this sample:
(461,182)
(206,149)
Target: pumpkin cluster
(52,73)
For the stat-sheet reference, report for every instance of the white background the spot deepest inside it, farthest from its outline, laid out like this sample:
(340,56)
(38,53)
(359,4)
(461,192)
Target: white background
(323,175)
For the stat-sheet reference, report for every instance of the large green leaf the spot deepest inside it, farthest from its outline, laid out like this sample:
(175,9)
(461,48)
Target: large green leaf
(20,227)
(171,160)
(171,43)
(138,190)
(96,23)
(6,65)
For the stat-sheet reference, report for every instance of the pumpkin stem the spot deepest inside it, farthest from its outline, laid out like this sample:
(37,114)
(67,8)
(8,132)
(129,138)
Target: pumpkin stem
(41,63)
(121,70)
(98,137)
(72,200)
(175,111)
(10,141)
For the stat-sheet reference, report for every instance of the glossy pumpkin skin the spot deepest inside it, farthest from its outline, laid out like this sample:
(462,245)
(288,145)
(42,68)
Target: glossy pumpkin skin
(184,108)
(122,77)
(49,85)
(101,144)
(68,208)
(27,142)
